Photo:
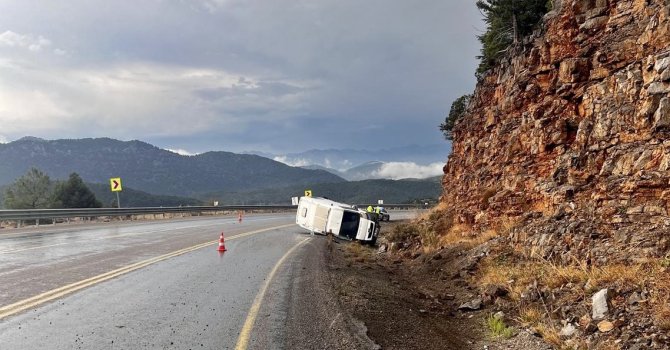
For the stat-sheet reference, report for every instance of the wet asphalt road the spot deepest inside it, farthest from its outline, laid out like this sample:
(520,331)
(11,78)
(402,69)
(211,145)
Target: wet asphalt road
(197,300)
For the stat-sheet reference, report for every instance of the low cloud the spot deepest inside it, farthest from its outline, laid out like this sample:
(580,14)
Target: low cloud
(181,152)
(26,41)
(292,161)
(404,170)
(3,139)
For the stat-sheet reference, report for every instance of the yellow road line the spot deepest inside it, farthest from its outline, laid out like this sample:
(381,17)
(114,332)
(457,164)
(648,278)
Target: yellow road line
(245,333)
(36,300)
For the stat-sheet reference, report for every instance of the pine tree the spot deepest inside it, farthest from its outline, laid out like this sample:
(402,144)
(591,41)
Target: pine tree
(74,193)
(31,191)
(457,111)
(507,22)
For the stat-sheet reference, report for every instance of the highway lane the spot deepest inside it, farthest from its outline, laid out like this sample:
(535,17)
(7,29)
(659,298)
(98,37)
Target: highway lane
(43,259)
(199,299)
(196,300)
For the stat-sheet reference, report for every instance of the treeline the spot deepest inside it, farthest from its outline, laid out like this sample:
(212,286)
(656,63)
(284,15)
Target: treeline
(507,22)
(36,190)
(353,192)
(134,198)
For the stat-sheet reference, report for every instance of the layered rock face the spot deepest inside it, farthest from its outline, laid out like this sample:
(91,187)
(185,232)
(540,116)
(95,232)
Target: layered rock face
(571,134)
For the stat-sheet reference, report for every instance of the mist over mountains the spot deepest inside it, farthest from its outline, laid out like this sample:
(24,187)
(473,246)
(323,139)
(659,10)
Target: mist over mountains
(411,161)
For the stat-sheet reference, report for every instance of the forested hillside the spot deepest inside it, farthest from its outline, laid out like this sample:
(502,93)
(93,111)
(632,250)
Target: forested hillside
(149,168)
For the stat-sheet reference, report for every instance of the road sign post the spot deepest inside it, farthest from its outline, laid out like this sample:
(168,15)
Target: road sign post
(115,186)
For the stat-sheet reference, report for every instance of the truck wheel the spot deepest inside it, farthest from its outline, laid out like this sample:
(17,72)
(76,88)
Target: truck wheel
(373,241)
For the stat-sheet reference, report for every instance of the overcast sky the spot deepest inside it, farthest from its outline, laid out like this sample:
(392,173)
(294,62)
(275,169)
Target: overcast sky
(274,76)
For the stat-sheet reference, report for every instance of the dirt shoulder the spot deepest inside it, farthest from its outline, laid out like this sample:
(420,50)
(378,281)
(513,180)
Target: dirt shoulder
(413,300)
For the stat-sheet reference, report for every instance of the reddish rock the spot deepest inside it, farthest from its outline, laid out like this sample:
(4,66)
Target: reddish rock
(573,127)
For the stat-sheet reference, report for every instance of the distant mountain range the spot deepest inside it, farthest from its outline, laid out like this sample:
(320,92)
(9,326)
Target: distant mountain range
(343,159)
(151,169)
(156,177)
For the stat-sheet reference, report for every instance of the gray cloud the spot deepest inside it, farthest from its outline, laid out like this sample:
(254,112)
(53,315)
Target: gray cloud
(235,75)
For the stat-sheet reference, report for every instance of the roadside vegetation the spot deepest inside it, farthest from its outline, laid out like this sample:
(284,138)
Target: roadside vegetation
(507,23)
(497,327)
(439,228)
(540,295)
(36,190)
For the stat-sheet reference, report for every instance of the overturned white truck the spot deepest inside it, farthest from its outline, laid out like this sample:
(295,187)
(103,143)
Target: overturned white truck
(321,215)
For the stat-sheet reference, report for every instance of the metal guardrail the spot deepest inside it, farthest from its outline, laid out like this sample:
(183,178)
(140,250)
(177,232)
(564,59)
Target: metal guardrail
(395,206)
(35,214)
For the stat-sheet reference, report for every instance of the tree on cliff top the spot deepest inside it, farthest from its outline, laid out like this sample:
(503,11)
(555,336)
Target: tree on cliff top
(507,21)
(457,111)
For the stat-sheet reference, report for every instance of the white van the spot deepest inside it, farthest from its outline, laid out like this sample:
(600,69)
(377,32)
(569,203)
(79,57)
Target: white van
(321,215)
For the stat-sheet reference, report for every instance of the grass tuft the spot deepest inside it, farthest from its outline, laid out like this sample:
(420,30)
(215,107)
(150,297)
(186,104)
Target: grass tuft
(530,316)
(498,328)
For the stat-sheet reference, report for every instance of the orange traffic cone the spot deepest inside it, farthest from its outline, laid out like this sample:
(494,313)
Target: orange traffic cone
(222,244)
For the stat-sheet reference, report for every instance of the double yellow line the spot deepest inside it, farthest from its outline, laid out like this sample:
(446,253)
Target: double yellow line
(39,299)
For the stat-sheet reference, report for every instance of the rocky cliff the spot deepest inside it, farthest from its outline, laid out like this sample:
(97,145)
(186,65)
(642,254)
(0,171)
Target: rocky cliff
(570,136)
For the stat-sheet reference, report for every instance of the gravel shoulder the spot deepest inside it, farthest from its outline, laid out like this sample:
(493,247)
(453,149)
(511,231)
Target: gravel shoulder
(412,301)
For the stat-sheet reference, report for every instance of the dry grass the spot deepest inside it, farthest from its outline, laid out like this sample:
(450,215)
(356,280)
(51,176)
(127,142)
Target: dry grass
(430,240)
(439,228)
(519,275)
(662,317)
(530,316)
(356,251)
(467,236)
(549,334)
(554,276)
(441,219)
(403,232)
(661,301)
(496,272)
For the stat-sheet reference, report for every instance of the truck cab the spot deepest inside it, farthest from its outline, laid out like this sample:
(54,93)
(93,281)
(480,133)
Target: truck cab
(321,215)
